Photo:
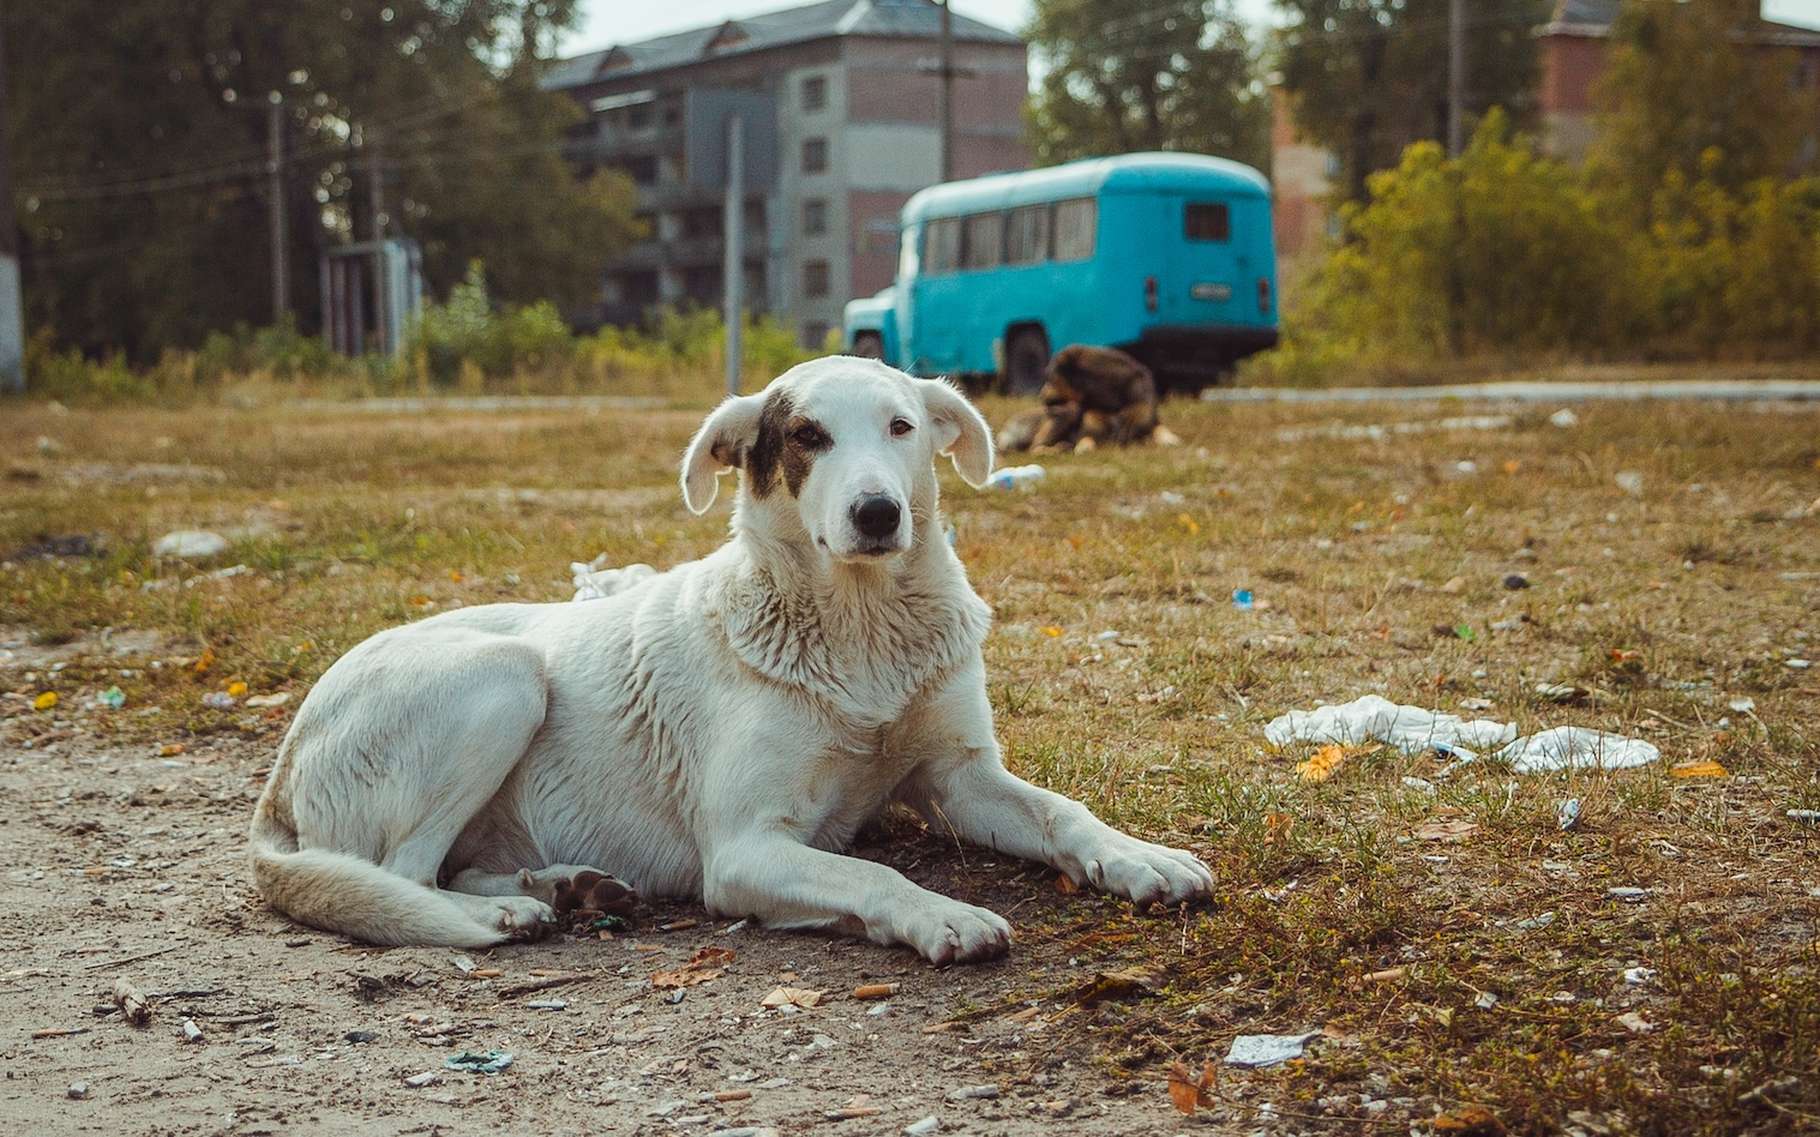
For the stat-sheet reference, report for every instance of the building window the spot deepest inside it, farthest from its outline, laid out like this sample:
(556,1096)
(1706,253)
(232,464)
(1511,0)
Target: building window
(1206,221)
(815,93)
(815,278)
(815,335)
(944,249)
(1027,235)
(815,155)
(815,217)
(1075,222)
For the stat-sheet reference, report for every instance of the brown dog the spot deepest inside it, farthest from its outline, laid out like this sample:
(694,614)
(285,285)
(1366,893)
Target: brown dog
(1093,395)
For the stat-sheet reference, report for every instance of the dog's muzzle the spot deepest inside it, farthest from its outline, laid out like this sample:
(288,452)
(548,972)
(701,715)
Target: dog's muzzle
(876,517)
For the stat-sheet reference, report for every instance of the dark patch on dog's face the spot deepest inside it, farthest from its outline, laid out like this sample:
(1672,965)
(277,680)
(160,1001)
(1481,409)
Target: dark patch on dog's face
(768,448)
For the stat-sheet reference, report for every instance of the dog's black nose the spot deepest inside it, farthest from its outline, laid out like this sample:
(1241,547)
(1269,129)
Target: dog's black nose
(876,516)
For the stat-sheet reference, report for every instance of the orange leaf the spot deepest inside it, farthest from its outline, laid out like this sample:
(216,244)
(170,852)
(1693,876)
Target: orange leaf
(1186,1091)
(1469,1121)
(204,661)
(1050,630)
(1706,769)
(1065,886)
(1277,827)
(686,977)
(1324,765)
(1188,523)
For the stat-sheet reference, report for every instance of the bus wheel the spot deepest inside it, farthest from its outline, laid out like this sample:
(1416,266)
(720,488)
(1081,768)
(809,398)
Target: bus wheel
(869,345)
(1026,361)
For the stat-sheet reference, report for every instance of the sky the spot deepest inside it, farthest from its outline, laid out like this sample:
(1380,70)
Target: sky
(606,22)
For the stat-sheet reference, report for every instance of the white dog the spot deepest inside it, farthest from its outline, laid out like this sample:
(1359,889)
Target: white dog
(718,730)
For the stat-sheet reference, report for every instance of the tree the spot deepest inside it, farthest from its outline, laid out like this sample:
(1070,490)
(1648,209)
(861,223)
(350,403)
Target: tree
(139,135)
(1156,75)
(1690,90)
(1368,77)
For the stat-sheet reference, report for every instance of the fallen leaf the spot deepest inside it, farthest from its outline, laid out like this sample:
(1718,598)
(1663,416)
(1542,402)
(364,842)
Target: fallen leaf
(685,977)
(1050,630)
(1698,769)
(1446,830)
(204,661)
(236,688)
(1188,523)
(1469,1121)
(1324,765)
(1186,1091)
(1065,885)
(45,701)
(1277,827)
(1114,985)
(170,750)
(1624,655)
(1513,465)
(792,997)
(712,957)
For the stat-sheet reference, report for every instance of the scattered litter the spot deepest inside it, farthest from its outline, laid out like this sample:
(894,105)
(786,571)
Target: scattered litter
(1243,600)
(237,689)
(1811,816)
(133,1006)
(1015,477)
(1260,1050)
(1378,431)
(478,1061)
(1706,768)
(924,1127)
(113,698)
(275,699)
(1635,1023)
(1537,922)
(548,1005)
(1564,418)
(1475,704)
(792,997)
(1561,692)
(1627,894)
(1373,718)
(1567,814)
(1516,582)
(1629,481)
(1798,664)
(1638,976)
(45,701)
(595,581)
(706,964)
(64,1032)
(875,991)
(1420,785)
(1577,747)
(78,1091)
(220,700)
(419,1081)
(1486,1001)
(190,1031)
(973,1093)
(190,544)
(1743,706)
(1186,1091)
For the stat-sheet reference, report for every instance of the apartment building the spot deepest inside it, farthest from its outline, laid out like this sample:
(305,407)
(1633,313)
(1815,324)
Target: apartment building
(838,103)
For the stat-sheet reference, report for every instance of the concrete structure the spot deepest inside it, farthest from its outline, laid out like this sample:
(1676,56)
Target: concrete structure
(839,102)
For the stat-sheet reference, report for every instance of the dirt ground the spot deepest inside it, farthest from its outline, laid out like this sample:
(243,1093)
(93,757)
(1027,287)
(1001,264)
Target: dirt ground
(1462,955)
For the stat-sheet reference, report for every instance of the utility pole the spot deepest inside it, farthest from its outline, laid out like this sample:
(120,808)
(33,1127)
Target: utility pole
(733,269)
(1456,77)
(12,324)
(281,269)
(947,91)
(373,146)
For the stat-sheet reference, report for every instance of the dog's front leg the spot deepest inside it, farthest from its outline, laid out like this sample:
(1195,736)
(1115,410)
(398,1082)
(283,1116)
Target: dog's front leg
(963,785)
(787,884)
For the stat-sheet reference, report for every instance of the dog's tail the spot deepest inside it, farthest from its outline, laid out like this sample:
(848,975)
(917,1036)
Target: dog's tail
(357,898)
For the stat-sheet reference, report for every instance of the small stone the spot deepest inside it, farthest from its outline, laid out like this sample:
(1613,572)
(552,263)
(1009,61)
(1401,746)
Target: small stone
(1638,976)
(921,1128)
(358,1037)
(190,544)
(78,1091)
(1539,921)
(1486,1001)
(1456,584)
(1516,582)
(971,1093)
(1564,418)
(1635,1023)
(1627,894)
(419,1081)
(1629,481)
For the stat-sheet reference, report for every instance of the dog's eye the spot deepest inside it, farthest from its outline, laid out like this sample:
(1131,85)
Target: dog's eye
(807,436)
(901,427)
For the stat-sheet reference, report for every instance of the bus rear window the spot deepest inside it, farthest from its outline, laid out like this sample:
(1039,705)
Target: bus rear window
(1075,222)
(985,244)
(1206,221)
(944,247)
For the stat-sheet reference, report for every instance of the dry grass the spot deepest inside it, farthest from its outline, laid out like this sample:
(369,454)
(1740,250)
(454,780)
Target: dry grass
(1669,605)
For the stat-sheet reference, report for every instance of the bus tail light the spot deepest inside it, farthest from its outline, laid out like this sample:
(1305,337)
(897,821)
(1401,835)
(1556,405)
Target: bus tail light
(1150,294)
(1263,296)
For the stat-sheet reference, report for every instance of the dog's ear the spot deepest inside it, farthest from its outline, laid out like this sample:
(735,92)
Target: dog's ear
(722,443)
(960,431)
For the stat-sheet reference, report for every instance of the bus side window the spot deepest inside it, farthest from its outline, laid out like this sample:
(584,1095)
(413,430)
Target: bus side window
(985,243)
(1075,222)
(944,246)
(1027,235)
(1206,221)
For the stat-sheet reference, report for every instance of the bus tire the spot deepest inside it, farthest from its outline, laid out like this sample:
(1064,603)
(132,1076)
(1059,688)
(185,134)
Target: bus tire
(869,345)
(1026,361)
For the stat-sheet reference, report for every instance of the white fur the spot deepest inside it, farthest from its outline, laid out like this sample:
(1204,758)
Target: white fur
(718,730)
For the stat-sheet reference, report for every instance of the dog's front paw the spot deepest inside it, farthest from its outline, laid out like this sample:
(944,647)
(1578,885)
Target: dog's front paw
(1146,873)
(952,932)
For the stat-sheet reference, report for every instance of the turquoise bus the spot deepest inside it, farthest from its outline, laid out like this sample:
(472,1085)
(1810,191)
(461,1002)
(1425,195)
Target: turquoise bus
(1166,256)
